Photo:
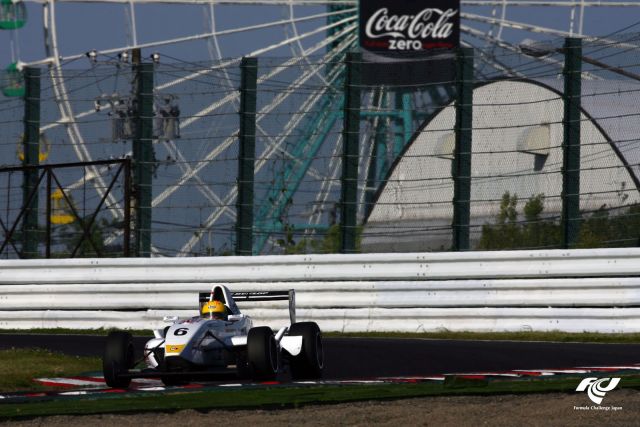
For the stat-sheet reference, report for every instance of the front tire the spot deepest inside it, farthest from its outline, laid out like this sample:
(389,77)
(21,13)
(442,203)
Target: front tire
(118,358)
(309,364)
(262,353)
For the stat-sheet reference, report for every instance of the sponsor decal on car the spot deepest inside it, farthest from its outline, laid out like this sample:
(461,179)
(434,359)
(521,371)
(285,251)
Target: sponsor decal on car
(173,348)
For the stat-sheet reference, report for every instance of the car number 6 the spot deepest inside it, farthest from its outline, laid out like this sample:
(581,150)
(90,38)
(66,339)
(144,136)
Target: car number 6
(181,331)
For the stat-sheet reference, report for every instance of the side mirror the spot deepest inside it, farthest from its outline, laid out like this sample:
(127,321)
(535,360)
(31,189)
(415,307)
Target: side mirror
(235,317)
(170,319)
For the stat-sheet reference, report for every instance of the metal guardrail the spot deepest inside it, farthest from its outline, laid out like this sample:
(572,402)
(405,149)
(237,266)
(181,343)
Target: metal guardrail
(569,290)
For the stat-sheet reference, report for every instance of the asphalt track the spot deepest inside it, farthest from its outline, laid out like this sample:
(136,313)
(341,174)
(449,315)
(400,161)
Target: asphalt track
(348,358)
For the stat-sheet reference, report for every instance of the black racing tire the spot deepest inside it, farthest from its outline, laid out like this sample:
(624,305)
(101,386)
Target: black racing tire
(309,364)
(118,358)
(262,353)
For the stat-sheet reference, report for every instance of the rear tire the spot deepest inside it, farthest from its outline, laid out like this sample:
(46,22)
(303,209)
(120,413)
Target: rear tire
(118,358)
(262,353)
(309,364)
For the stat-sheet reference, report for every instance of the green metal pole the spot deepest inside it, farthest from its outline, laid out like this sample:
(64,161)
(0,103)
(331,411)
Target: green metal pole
(462,152)
(398,125)
(372,174)
(381,142)
(143,158)
(382,165)
(571,143)
(372,171)
(31,154)
(332,19)
(407,119)
(246,155)
(351,134)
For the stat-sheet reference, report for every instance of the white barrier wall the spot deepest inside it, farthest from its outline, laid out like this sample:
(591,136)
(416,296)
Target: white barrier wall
(574,291)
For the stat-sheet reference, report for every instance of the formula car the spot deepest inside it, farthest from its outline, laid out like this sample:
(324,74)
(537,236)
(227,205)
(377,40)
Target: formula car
(219,339)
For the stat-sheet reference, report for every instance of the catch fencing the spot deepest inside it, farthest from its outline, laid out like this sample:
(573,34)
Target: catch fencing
(535,147)
(595,290)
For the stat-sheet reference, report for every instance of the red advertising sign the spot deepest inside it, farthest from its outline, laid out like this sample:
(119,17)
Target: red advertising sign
(409,26)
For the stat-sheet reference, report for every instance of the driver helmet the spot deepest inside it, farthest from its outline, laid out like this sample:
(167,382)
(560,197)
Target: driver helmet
(215,309)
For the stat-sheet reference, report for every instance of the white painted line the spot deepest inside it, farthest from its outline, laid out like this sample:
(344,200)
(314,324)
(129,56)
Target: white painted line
(146,381)
(613,368)
(357,382)
(490,374)
(554,371)
(70,381)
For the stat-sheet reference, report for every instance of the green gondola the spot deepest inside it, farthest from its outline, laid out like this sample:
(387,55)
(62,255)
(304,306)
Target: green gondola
(13,14)
(13,82)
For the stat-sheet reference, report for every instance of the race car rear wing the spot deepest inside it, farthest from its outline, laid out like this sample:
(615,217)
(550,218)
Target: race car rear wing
(289,295)
(270,296)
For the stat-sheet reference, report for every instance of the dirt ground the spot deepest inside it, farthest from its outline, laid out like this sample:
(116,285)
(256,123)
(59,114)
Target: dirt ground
(557,409)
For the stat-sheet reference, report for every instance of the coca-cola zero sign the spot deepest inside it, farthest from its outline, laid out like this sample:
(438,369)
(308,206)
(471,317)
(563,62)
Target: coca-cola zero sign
(395,26)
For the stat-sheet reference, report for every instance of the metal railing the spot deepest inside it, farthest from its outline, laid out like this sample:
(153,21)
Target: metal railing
(569,290)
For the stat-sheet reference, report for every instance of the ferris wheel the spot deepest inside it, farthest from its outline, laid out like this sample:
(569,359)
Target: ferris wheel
(87,44)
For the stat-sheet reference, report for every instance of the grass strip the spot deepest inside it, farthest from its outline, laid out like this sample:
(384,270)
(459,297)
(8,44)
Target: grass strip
(18,367)
(279,397)
(553,336)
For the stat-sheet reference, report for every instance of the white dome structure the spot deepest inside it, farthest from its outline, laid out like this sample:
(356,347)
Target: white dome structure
(517,148)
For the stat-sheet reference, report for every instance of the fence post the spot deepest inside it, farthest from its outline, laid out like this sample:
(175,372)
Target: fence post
(462,152)
(143,157)
(48,213)
(126,241)
(246,155)
(31,152)
(571,142)
(351,134)
(378,153)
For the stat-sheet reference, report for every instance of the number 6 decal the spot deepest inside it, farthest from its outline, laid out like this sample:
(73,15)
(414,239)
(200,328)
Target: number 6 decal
(181,331)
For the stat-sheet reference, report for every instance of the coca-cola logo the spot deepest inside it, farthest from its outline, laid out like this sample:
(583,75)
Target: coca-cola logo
(409,25)
(434,23)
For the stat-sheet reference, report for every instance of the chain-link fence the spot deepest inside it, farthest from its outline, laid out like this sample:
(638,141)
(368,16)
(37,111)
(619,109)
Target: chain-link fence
(497,170)
(518,157)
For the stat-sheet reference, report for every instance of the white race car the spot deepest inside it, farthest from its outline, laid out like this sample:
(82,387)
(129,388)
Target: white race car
(221,337)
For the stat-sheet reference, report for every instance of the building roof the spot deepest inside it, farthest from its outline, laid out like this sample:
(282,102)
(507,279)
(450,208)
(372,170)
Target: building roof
(517,142)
